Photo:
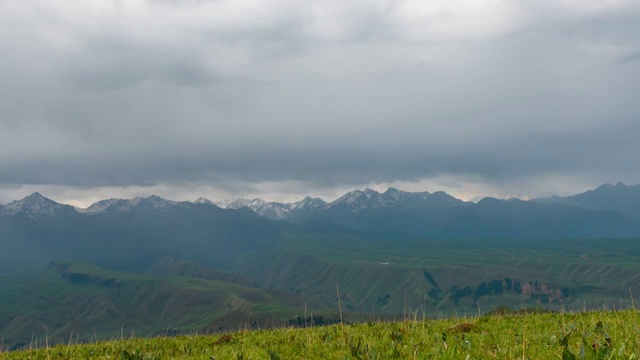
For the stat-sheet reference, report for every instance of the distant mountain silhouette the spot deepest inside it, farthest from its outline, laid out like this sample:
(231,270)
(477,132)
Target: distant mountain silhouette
(620,198)
(131,234)
(443,216)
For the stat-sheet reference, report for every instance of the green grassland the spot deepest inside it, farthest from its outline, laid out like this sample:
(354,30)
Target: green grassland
(89,303)
(376,278)
(585,335)
(385,276)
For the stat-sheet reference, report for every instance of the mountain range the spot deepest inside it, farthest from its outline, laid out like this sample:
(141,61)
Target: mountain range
(35,229)
(609,210)
(619,198)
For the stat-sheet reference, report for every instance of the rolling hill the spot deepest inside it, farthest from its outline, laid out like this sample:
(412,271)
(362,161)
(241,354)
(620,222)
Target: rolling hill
(442,276)
(86,303)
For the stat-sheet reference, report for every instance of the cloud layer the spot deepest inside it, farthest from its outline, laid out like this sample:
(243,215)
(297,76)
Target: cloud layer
(325,94)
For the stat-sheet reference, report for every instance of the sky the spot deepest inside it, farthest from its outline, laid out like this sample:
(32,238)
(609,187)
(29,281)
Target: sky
(286,98)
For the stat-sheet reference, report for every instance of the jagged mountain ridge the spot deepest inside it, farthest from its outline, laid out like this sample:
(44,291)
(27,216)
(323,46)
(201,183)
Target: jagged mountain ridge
(370,199)
(619,197)
(355,200)
(129,234)
(417,214)
(36,229)
(123,205)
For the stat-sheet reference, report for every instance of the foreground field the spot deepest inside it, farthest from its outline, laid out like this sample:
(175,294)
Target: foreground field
(589,335)
(377,277)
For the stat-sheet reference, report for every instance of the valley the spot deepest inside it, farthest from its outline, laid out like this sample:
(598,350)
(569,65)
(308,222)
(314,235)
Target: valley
(467,276)
(88,303)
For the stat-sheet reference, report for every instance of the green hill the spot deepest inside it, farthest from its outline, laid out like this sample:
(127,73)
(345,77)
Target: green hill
(87,302)
(592,335)
(387,276)
(377,277)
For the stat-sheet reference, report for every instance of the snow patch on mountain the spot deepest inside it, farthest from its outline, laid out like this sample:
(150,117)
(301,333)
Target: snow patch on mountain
(367,199)
(202,200)
(157,203)
(111,205)
(123,205)
(34,205)
(274,210)
(253,204)
(355,200)
(370,199)
(308,203)
(348,198)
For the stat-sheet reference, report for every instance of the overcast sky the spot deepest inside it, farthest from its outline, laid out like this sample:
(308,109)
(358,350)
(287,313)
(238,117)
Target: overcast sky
(283,98)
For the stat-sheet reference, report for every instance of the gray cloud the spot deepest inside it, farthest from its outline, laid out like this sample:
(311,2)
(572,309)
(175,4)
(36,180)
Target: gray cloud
(633,57)
(327,94)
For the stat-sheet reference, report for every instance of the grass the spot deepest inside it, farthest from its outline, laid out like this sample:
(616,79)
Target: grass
(104,303)
(383,279)
(376,275)
(566,336)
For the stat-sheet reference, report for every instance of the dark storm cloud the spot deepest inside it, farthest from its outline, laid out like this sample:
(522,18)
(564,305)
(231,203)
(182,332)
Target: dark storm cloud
(172,92)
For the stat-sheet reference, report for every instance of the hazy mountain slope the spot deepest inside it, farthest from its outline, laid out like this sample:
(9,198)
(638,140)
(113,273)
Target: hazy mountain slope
(275,210)
(132,234)
(517,219)
(621,198)
(133,239)
(416,214)
(440,215)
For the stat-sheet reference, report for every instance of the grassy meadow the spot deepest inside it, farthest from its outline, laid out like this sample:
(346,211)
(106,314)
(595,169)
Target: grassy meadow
(82,303)
(585,335)
(382,276)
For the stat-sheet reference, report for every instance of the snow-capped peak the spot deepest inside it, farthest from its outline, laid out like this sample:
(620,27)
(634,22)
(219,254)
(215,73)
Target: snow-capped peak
(111,205)
(370,199)
(358,200)
(224,203)
(97,206)
(307,202)
(394,195)
(158,203)
(202,200)
(348,198)
(34,204)
(274,210)
(122,205)
(253,204)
